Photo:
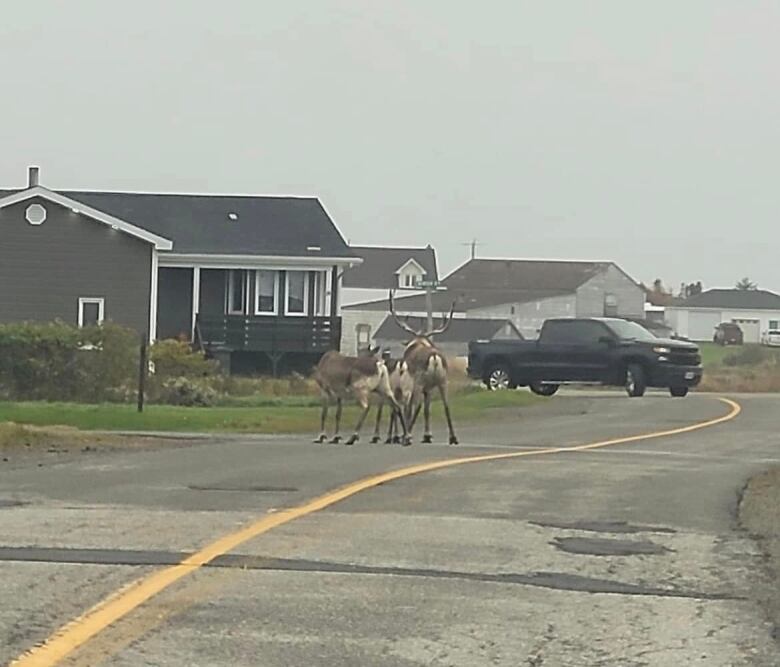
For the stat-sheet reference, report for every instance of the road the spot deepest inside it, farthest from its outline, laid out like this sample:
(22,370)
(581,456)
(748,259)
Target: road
(626,554)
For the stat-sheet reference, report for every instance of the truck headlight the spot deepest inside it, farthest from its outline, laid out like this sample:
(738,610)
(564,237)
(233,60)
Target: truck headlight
(661,350)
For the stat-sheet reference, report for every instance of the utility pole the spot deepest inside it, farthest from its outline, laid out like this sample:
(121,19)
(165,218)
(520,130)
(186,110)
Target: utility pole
(473,245)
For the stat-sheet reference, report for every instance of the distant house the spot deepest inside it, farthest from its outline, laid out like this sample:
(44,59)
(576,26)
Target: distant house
(755,311)
(527,292)
(382,269)
(454,341)
(253,279)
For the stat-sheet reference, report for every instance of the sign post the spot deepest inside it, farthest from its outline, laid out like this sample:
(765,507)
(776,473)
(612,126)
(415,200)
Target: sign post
(430,286)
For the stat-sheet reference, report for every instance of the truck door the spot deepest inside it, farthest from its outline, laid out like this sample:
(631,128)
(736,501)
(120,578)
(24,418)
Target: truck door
(573,351)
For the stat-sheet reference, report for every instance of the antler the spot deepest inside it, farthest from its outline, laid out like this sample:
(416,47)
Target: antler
(398,321)
(444,326)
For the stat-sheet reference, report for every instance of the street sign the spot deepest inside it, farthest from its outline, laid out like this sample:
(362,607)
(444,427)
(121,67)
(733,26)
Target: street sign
(431,284)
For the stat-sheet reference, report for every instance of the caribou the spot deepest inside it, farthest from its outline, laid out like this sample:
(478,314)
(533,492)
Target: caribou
(428,369)
(339,375)
(402,386)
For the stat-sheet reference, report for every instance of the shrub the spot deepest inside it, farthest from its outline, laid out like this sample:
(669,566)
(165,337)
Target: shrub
(749,355)
(187,392)
(176,359)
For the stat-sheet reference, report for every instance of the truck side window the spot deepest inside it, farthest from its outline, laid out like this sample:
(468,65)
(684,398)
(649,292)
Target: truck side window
(574,332)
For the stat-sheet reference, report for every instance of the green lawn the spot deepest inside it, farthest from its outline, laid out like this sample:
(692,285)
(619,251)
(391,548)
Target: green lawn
(281,416)
(712,354)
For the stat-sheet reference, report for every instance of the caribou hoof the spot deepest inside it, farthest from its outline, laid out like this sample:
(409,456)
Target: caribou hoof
(407,441)
(320,439)
(352,440)
(375,440)
(396,439)
(427,439)
(453,440)
(335,440)
(389,441)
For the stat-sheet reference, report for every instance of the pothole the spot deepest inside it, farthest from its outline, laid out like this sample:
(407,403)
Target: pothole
(605,527)
(601,547)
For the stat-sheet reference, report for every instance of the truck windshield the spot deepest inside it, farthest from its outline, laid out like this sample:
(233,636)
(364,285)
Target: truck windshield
(630,330)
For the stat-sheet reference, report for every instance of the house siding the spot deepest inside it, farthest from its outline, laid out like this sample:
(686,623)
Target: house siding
(45,269)
(174,311)
(591,295)
(350,319)
(529,317)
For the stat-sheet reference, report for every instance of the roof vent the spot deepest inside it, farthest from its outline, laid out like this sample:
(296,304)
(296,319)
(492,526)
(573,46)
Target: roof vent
(232,216)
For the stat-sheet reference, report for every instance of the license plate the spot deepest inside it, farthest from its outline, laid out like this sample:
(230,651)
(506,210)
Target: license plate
(690,375)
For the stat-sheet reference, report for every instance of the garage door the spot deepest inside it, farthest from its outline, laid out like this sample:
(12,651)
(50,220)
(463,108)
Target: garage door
(701,326)
(751,330)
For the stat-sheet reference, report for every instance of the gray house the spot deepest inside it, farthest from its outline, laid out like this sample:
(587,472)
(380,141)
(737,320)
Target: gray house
(382,269)
(454,342)
(527,292)
(254,280)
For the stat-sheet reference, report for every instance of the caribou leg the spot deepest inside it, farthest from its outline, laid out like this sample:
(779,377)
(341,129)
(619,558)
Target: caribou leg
(376,438)
(336,436)
(453,437)
(325,403)
(390,429)
(427,437)
(366,405)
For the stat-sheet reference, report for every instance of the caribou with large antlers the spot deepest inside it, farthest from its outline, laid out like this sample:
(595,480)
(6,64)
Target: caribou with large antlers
(428,368)
(339,375)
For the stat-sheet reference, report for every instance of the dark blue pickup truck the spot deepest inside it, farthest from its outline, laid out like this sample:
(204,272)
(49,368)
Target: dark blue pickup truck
(607,351)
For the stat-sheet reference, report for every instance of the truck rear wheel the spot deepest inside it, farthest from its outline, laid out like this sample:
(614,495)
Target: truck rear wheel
(543,389)
(678,392)
(636,381)
(498,378)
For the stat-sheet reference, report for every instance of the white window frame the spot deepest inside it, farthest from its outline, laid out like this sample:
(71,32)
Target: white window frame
(229,295)
(275,311)
(89,300)
(360,328)
(305,312)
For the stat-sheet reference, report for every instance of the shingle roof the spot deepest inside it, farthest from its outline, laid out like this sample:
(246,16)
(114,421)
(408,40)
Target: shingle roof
(380,265)
(734,299)
(264,225)
(464,300)
(524,274)
(462,330)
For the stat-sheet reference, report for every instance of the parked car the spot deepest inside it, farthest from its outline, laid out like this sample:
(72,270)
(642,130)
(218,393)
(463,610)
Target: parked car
(607,351)
(771,338)
(728,333)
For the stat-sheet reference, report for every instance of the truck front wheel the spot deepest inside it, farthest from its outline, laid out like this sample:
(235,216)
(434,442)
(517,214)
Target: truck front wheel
(636,381)
(678,392)
(499,378)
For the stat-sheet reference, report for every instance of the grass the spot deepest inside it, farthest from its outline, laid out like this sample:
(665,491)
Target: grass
(275,416)
(740,368)
(713,354)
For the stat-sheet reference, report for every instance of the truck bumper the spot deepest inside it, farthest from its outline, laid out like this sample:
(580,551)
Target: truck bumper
(676,376)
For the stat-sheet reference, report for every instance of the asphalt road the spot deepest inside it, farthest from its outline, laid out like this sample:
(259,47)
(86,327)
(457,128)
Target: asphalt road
(625,555)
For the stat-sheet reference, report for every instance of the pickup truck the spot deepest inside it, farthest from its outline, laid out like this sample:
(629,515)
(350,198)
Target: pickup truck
(606,351)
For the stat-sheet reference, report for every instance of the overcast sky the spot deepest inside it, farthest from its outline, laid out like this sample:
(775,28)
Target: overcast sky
(647,133)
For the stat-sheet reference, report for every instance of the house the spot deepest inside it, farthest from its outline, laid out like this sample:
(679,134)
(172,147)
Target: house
(454,342)
(755,311)
(527,292)
(253,279)
(382,269)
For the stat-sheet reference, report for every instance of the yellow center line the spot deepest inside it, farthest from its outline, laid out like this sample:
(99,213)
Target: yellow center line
(79,631)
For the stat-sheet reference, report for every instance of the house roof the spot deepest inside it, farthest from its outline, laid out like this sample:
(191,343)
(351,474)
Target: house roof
(524,274)
(461,330)
(464,300)
(202,224)
(380,266)
(734,299)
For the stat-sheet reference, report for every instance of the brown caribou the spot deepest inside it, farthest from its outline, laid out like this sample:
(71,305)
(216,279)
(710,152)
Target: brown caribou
(339,375)
(428,368)
(402,386)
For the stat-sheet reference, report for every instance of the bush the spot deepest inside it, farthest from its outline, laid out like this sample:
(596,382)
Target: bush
(176,359)
(57,361)
(187,392)
(749,355)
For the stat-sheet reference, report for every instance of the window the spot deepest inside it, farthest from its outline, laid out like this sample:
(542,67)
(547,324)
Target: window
(774,324)
(297,292)
(35,214)
(91,311)
(574,332)
(266,292)
(610,305)
(236,291)
(363,332)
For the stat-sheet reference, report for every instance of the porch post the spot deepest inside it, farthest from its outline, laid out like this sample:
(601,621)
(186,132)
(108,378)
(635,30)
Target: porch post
(334,292)
(195,297)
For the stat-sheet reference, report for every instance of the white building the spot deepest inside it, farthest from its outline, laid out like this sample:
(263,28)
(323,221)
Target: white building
(755,311)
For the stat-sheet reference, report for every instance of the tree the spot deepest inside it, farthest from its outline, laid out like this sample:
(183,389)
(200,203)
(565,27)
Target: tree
(746,284)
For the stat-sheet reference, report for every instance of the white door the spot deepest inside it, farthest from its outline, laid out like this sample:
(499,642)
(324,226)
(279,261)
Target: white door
(751,330)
